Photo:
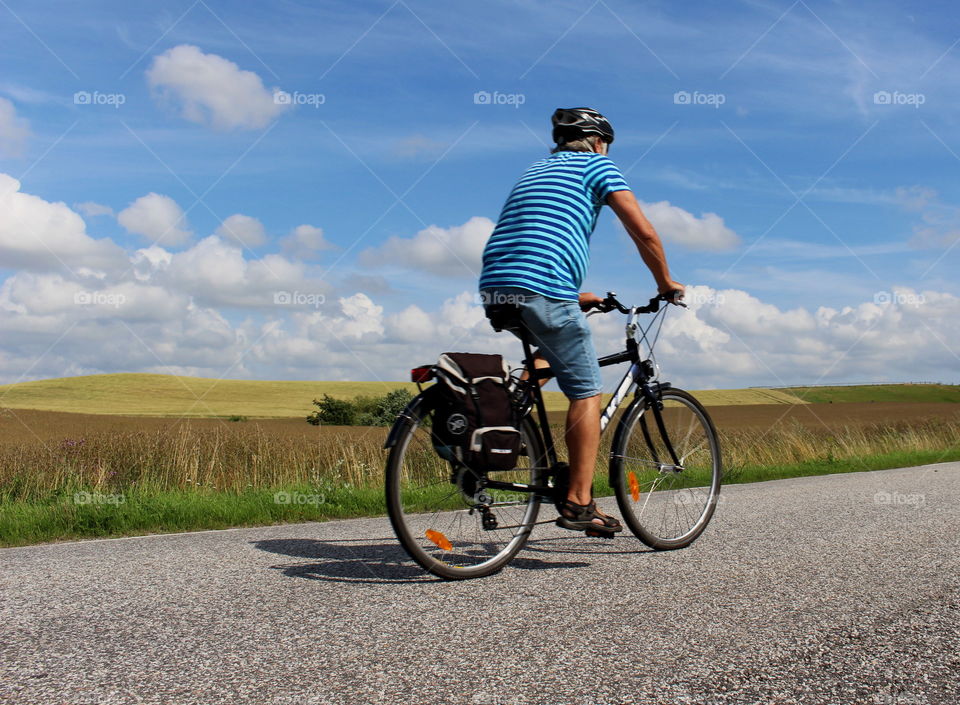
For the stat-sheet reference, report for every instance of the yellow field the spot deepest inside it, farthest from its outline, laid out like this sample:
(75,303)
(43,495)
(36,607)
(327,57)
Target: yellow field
(167,395)
(737,397)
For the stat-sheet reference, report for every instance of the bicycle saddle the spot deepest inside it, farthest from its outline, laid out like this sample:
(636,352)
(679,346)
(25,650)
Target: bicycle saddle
(504,316)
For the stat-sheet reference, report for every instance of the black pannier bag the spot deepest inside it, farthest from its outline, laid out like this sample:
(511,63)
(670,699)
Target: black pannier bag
(475,422)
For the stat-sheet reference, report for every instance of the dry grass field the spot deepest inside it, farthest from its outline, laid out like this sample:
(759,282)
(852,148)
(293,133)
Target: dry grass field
(180,472)
(43,451)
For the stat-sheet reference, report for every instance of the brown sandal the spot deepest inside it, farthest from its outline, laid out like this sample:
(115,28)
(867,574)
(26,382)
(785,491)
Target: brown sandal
(581,517)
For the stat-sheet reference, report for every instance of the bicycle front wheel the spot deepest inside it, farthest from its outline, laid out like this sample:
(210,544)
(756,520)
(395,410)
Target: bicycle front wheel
(667,499)
(445,519)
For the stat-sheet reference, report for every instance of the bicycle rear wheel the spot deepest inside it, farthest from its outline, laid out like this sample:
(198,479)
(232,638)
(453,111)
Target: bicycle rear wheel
(436,511)
(666,505)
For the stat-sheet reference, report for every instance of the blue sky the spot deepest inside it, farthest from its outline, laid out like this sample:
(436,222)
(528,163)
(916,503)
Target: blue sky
(826,196)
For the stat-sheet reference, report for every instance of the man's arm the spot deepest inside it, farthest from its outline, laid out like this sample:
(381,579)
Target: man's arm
(648,243)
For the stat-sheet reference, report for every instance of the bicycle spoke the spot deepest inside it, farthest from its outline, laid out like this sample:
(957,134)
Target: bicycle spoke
(676,501)
(429,496)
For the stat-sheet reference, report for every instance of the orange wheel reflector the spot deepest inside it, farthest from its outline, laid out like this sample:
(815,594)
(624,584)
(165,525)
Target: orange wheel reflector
(440,540)
(634,486)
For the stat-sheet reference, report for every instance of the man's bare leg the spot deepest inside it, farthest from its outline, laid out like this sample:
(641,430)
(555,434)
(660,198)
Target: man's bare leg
(583,442)
(539,362)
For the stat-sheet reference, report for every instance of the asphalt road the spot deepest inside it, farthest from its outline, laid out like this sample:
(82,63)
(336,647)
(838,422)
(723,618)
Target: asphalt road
(835,589)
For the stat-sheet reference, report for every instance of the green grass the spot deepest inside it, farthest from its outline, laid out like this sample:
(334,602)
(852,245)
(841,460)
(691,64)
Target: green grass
(880,461)
(60,517)
(878,393)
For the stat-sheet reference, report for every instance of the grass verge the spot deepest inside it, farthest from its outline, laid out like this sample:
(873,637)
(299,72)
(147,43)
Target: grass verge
(88,513)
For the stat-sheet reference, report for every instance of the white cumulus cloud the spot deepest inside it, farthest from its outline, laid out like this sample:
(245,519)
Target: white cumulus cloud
(92,209)
(40,235)
(156,217)
(454,251)
(708,232)
(243,229)
(305,242)
(211,90)
(215,273)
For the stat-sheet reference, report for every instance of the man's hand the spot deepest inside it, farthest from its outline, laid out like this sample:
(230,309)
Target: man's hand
(589,300)
(670,286)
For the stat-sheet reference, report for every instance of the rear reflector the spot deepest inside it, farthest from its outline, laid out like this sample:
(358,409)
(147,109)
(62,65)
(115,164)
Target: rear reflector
(421,374)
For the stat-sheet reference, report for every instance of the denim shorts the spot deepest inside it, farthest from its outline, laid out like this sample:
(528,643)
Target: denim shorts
(560,332)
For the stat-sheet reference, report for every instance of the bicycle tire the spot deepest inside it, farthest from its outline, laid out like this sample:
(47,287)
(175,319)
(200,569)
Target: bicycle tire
(473,551)
(637,462)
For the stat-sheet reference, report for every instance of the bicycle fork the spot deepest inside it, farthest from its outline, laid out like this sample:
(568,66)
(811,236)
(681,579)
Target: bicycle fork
(655,404)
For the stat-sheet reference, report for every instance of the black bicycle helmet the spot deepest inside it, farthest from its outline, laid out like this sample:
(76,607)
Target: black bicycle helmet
(575,123)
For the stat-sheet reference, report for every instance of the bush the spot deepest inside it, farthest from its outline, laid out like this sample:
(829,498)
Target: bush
(381,411)
(361,411)
(334,412)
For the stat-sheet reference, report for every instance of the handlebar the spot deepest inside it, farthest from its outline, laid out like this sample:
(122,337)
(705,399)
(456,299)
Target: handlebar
(610,303)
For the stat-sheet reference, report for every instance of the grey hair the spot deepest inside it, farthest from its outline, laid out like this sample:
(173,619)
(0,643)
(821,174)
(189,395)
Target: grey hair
(584,144)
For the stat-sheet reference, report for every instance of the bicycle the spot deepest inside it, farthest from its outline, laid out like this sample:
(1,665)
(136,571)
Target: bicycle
(458,522)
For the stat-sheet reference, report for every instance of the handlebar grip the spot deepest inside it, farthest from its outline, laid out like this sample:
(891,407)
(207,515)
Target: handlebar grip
(674,296)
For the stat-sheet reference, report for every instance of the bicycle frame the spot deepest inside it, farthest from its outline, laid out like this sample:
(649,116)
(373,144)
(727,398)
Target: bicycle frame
(637,379)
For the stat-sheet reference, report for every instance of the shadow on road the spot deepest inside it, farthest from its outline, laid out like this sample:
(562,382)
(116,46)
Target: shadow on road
(578,545)
(375,561)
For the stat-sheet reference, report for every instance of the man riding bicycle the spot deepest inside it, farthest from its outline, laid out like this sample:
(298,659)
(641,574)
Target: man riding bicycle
(537,257)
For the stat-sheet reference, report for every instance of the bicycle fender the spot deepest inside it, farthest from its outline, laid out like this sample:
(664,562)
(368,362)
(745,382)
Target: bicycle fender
(411,411)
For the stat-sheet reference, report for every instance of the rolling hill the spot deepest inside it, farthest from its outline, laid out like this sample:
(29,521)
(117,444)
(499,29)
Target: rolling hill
(169,395)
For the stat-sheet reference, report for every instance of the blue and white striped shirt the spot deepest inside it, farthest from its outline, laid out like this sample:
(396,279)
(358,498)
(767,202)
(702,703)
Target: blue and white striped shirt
(542,239)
